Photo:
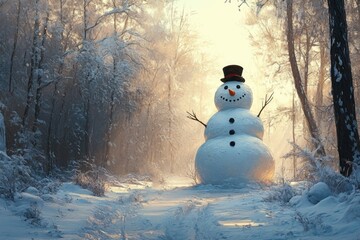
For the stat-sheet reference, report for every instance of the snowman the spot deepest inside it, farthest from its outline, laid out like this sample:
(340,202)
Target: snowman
(233,151)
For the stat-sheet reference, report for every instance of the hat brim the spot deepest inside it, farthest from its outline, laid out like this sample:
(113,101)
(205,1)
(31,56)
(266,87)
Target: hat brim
(234,78)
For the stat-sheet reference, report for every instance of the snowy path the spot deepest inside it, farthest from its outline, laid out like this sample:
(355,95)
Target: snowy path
(211,213)
(204,212)
(142,212)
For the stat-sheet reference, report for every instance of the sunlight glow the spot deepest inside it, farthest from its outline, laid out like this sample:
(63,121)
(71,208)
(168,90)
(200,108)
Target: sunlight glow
(240,223)
(222,29)
(225,34)
(126,188)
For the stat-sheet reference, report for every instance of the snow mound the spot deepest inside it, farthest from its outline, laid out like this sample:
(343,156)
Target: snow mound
(318,192)
(32,190)
(352,211)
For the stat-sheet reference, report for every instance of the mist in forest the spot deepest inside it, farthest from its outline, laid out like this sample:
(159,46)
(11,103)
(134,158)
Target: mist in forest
(108,83)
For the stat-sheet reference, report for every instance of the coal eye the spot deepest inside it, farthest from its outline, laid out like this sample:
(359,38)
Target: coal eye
(238,86)
(226,87)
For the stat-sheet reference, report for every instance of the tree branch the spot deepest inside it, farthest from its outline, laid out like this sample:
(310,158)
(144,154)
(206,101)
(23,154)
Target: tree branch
(266,102)
(240,4)
(109,13)
(3,2)
(260,4)
(193,116)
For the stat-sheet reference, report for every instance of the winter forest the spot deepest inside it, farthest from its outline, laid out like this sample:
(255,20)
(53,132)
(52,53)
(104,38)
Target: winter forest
(98,82)
(93,89)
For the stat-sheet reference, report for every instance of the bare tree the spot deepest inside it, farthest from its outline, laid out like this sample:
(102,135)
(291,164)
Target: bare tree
(310,120)
(51,136)
(116,77)
(14,47)
(34,64)
(41,84)
(342,89)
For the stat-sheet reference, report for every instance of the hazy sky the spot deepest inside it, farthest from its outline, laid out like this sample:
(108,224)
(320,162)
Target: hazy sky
(221,26)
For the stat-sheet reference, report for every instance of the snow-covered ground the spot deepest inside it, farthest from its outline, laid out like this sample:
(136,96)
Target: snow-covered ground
(177,210)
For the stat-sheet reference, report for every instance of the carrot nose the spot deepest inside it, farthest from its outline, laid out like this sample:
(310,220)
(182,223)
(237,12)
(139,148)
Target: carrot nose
(231,92)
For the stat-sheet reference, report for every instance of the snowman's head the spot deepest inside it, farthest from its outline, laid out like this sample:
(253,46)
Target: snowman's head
(233,94)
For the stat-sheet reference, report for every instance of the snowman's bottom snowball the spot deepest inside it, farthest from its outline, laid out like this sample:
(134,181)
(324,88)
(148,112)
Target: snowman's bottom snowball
(217,162)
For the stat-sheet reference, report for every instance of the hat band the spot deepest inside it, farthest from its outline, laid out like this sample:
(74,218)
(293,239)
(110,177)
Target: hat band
(232,75)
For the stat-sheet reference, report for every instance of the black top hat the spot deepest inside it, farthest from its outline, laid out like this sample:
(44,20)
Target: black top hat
(233,73)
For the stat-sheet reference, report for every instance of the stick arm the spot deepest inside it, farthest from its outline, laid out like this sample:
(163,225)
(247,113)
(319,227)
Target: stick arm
(266,102)
(193,116)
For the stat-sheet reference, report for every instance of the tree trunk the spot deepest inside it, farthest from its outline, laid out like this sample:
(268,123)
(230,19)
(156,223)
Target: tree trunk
(88,133)
(307,60)
(293,118)
(13,51)
(320,86)
(110,128)
(50,138)
(313,129)
(171,154)
(39,77)
(342,89)
(85,19)
(358,8)
(34,63)
(112,96)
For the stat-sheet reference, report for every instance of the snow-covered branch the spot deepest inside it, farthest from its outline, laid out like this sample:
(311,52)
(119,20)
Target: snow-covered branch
(107,14)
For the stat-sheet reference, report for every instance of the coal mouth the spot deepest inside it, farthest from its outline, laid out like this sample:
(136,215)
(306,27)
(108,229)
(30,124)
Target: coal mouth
(233,100)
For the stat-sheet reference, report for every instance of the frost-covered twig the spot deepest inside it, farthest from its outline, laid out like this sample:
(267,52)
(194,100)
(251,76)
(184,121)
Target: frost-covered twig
(282,193)
(192,174)
(318,169)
